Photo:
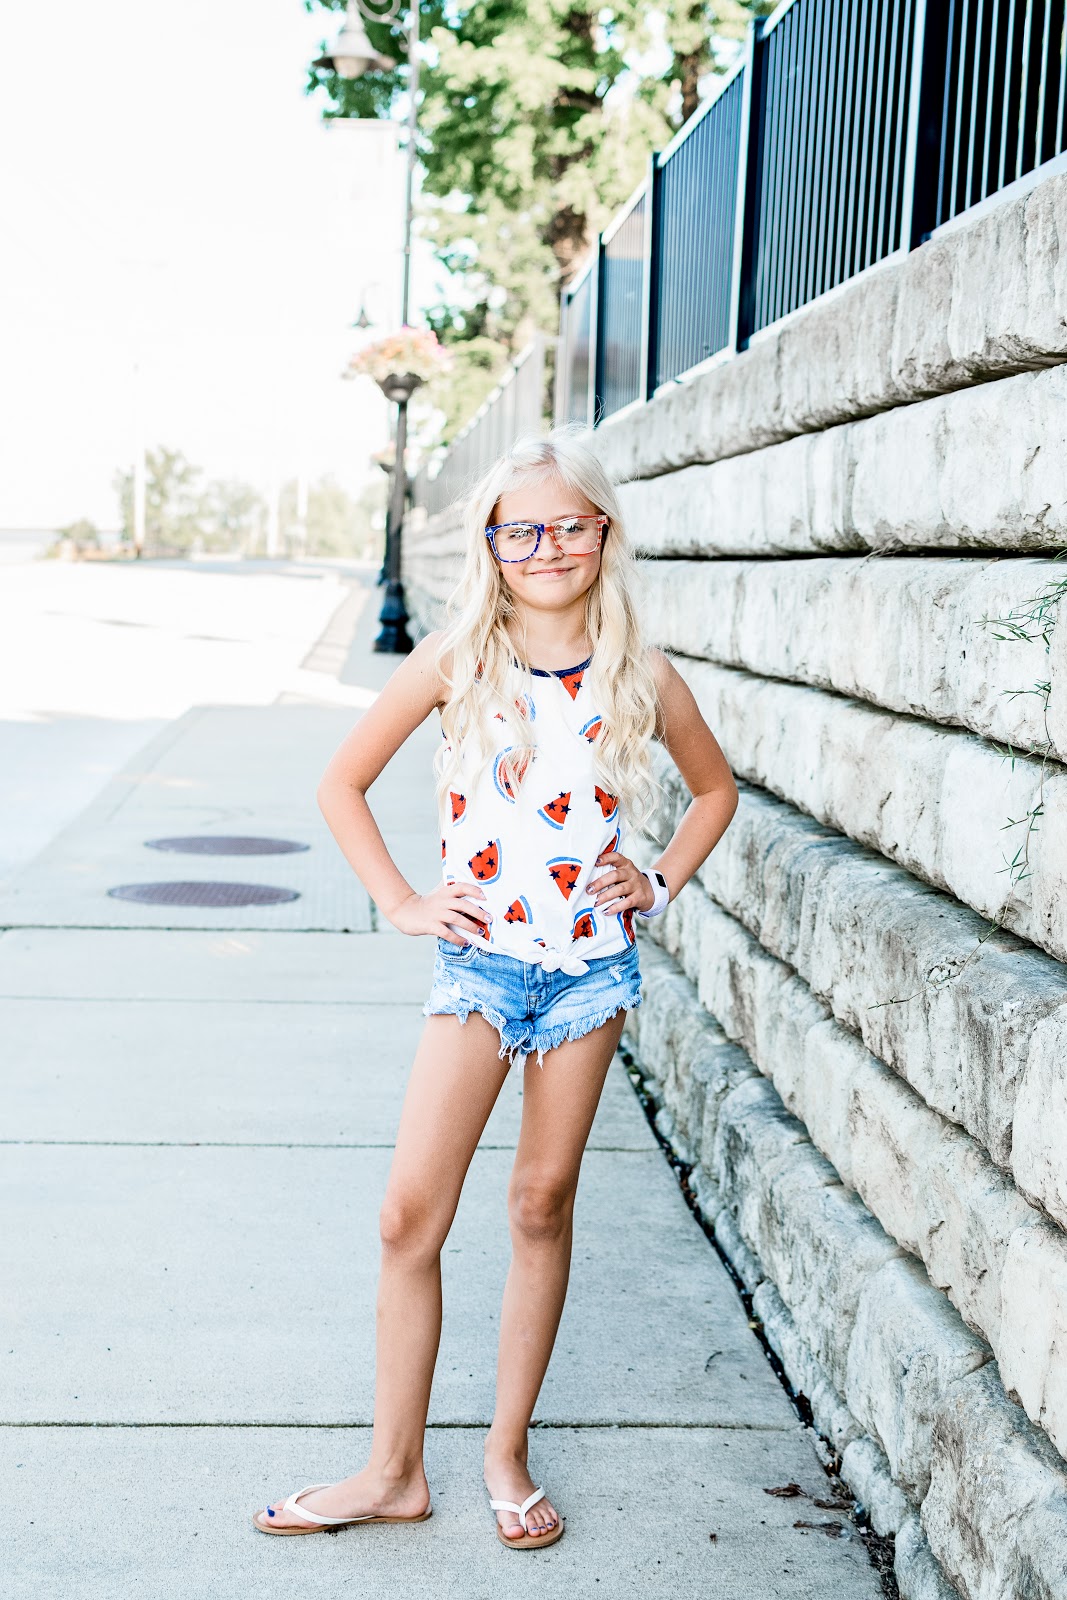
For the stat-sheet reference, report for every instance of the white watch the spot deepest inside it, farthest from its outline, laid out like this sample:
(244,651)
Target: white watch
(661,892)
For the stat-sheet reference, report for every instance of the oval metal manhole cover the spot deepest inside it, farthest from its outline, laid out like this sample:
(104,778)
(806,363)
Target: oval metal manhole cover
(203,894)
(212,844)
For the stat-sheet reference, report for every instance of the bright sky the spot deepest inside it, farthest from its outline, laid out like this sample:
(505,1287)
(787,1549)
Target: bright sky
(185,247)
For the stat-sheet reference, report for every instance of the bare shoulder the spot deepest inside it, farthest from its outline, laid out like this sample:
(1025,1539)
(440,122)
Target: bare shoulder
(668,680)
(424,667)
(676,709)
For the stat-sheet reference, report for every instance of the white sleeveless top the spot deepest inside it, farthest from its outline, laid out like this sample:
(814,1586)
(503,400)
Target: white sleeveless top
(534,852)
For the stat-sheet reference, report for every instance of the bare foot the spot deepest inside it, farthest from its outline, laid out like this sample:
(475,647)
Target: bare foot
(506,1478)
(368,1494)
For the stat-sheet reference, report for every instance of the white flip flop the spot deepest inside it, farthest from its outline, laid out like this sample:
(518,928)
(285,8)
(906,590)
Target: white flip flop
(529,1541)
(319,1524)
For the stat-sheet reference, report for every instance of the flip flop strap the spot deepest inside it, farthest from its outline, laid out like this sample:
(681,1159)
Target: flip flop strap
(520,1511)
(313,1516)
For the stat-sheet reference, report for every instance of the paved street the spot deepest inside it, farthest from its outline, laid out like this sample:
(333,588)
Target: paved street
(198,1110)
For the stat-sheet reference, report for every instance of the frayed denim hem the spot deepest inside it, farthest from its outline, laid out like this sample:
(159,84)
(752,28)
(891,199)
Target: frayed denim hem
(568,1031)
(551,1039)
(462,1010)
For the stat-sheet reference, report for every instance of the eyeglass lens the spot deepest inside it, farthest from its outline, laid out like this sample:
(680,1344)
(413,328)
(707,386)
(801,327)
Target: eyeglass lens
(516,541)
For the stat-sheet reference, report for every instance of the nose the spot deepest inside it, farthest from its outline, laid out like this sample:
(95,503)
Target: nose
(549,557)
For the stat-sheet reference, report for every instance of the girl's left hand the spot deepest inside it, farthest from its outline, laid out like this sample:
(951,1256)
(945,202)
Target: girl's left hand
(623,887)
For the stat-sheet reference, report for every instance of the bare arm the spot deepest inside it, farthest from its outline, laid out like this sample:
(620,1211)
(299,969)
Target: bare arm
(412,693)
(696,753)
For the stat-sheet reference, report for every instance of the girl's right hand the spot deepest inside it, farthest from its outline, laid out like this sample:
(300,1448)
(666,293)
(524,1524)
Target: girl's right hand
(449,903)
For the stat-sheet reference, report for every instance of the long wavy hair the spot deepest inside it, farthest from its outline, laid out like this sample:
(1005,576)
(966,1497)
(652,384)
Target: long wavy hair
(486,667)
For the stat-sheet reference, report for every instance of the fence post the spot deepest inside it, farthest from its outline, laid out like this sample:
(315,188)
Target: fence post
(923,154)
(749,173)
(596,372)
(561,372)
(650,297)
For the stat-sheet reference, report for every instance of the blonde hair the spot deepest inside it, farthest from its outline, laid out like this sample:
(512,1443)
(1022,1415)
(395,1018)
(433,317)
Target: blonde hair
(477,657)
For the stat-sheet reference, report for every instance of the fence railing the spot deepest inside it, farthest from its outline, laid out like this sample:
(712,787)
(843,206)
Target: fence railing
(515,406)
(850,131)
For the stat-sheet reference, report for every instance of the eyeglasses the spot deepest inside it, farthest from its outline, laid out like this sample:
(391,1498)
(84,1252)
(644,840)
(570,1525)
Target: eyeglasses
(572,536)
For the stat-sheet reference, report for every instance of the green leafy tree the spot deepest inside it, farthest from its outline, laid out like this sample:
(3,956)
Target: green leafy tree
(536,122)
(231,516)
(703,38)
(186,512)
(477,365)
(338,523)
(173,501)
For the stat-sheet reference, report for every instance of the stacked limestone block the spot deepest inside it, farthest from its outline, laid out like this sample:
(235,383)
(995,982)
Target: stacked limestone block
(856,1018)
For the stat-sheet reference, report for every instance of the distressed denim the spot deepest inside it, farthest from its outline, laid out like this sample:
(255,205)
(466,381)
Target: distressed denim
(531,1009)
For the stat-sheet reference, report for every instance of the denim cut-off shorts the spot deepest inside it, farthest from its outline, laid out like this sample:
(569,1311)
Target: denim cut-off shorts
(531,1009)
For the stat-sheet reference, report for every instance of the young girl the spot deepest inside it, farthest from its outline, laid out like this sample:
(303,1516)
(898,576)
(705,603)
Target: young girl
(549,703)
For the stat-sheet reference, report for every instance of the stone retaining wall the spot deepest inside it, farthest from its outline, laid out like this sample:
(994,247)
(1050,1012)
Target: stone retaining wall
(855,1023)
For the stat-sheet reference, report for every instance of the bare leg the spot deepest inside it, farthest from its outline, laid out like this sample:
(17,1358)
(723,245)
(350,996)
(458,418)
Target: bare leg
(559,1102)
(454,1084)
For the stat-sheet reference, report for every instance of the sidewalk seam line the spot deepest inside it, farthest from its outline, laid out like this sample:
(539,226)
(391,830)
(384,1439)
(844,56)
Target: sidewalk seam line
(277,1144)
(443,1427)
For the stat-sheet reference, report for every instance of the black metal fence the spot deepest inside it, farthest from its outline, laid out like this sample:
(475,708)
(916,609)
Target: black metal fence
(851,130)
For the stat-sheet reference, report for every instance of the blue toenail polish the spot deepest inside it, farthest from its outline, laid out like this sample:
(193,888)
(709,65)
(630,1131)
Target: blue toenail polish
(270,1513)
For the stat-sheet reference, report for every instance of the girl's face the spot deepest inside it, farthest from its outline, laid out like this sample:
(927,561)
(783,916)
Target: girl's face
(549,580)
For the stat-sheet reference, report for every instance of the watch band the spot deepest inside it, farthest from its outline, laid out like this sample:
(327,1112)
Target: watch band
(661,892)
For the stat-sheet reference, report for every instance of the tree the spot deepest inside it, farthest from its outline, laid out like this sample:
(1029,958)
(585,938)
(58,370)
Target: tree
(338,524)
(703,38)
(231,516)
(173,492)
(184,512)
(536,122)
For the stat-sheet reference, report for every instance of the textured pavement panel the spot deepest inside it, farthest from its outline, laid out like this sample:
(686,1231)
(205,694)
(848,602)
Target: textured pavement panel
(640,1507)
(178,1285)
(231,966)
(196,1072)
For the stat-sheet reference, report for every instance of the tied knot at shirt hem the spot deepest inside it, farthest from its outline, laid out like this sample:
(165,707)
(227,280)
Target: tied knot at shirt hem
(561,961)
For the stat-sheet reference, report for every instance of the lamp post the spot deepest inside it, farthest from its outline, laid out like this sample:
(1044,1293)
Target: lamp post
(352,56)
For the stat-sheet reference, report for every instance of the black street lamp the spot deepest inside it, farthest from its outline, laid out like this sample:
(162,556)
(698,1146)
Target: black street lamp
(351,57)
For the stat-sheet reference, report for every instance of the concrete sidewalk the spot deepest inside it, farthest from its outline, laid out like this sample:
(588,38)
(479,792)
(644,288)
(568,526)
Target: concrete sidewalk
(198,1112)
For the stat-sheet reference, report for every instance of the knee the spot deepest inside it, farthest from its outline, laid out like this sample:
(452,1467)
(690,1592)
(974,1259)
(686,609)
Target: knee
(409,1226)
(540,1209)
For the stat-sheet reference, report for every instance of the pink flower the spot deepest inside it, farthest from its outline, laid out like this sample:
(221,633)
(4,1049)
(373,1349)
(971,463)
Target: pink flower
(413,350)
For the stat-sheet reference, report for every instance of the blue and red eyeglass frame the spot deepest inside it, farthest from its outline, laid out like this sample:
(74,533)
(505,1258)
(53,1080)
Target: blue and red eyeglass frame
(603,522)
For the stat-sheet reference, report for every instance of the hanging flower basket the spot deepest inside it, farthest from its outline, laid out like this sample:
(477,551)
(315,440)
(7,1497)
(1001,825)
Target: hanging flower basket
(400,362)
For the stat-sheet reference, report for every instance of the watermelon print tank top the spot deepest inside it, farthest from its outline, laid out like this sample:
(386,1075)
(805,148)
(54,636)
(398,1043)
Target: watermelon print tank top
(534,852)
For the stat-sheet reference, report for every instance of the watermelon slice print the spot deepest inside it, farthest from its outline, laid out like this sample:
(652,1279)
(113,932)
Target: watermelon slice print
(554,812)
(572,681)
(485,863)
(591,729)
(626,923)
(564,872)
(584,926)
(459,806)
(526,708)
(607,802)
(519,911)
(500,777)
